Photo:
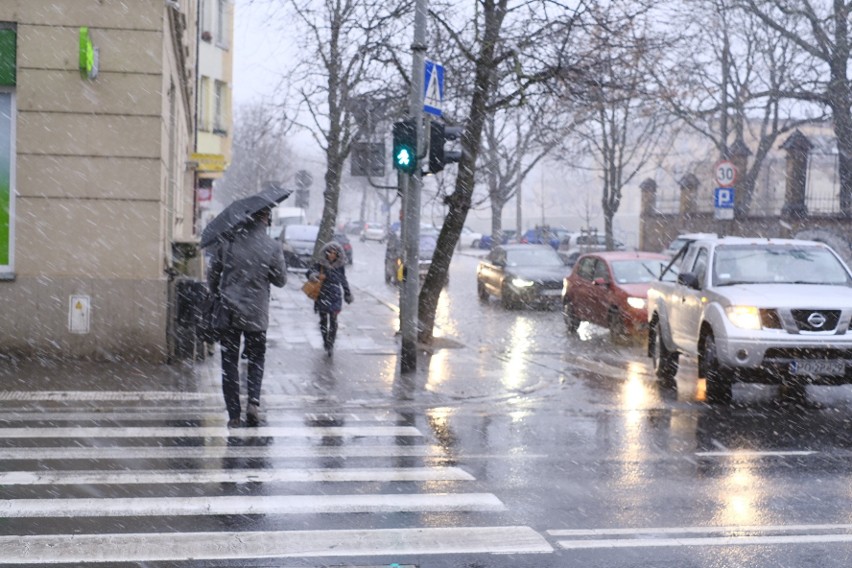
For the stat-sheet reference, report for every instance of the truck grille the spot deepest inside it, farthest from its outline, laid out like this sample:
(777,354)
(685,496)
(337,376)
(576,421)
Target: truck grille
(816,320)
(789,353)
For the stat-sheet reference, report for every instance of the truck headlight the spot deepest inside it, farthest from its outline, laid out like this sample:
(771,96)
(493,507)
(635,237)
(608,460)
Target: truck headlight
(636,303)
(522,283)
(745,317)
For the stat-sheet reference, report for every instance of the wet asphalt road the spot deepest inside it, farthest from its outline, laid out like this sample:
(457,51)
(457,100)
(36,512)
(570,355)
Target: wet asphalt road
(565,447)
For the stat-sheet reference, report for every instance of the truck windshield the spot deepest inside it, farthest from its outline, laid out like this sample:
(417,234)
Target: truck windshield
(776,264)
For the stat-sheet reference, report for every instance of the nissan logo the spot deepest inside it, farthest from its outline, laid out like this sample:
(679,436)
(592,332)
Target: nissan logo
(816,319)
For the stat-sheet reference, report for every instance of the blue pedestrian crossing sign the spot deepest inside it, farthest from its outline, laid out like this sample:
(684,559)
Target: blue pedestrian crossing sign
(433,88)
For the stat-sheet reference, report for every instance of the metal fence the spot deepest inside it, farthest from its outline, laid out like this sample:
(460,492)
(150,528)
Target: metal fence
(821,197)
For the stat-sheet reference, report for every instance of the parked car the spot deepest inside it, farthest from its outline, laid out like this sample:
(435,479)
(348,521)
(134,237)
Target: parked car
(576,243)
(521,275)
(353,227)
(344,241)
(609,288)
(509,237)
(754,310)
(469,237)
(374,231)
(297,242)
(393,257)
(544,235)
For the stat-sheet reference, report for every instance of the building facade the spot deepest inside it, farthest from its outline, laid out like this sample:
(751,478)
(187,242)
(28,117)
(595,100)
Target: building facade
(97,122)
(213,88)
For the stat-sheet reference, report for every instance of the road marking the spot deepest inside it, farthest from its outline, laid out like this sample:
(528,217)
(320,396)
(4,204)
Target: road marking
(206,414)
(713,536)
(754,453)
(249,505)
(729,530)
(294,400)
(218,452)
(195,546)
(706,541)
(307,475)
(209,432)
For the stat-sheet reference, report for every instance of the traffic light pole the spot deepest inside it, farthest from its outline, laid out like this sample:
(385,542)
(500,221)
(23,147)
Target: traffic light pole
(410,187)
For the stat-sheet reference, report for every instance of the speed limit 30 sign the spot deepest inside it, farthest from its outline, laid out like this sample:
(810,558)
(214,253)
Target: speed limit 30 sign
(726,173)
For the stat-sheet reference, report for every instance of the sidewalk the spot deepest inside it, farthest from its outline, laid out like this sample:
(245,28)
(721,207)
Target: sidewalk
(363,369)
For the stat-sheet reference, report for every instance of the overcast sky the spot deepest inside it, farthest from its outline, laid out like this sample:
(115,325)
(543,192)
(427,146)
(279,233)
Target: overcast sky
(260,53)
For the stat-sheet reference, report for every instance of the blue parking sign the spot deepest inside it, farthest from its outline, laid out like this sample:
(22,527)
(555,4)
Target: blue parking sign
(723,198)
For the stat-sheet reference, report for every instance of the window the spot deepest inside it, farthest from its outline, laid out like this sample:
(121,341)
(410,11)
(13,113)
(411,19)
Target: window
(220,108)
(222,23)
(204,105)
(206,21)
(601,271)
(587,268)
(699,268)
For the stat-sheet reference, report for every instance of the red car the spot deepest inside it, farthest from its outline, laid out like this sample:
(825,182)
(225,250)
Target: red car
(609,289)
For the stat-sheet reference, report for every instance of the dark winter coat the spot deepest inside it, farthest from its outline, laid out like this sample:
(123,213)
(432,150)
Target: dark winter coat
(240,273)
(335,287)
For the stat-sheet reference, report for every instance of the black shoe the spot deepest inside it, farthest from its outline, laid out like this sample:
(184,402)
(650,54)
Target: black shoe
(253,414)
(234,423)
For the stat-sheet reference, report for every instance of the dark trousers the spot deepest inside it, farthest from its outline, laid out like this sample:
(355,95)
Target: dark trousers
(328,328)
(256,353)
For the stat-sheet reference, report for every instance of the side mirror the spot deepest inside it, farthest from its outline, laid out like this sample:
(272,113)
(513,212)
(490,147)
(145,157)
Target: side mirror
(689,280)
(601,282)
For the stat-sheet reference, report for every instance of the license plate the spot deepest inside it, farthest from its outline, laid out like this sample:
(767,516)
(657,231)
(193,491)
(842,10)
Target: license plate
(551,292)
(818,367)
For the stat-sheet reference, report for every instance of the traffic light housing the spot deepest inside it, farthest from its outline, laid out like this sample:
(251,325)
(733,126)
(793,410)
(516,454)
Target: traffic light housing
(439,156)
(405,146)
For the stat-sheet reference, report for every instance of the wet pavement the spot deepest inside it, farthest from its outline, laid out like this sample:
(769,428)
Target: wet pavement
(512,445)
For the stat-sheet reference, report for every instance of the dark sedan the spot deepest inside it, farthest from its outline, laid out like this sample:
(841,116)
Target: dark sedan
(522,275)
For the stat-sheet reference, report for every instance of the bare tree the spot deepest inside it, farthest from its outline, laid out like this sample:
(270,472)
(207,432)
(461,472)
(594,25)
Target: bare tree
(509,52)
(339,41)
(515,140)
(260,152)
(625,123)
(725,81)
(821,30)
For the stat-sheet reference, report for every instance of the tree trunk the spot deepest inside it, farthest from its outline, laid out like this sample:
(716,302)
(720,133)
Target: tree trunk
(460,200)
(497,205)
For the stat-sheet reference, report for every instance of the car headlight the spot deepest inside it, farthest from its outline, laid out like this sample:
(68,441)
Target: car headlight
(636,303)
(522,283)
(745,317)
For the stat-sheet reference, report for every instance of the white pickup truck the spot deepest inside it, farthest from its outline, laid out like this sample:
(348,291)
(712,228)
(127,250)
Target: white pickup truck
(772,311)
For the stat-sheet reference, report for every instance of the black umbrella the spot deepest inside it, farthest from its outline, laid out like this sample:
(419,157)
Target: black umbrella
(239,212)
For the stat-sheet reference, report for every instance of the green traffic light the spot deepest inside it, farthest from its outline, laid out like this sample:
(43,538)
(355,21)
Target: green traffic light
(403,157)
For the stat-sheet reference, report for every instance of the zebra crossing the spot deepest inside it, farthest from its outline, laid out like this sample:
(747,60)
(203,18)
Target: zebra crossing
(129,478)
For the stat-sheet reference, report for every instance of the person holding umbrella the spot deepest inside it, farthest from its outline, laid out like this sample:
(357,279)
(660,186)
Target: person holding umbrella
(245,263)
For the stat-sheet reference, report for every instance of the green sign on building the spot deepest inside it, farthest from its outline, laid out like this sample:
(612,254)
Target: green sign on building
(8,62)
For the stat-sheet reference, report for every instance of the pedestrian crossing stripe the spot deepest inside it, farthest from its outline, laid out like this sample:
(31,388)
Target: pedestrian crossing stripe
(249,505)
(218,452)
(306,475)
(311,432)
(211,546)
(152,414)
